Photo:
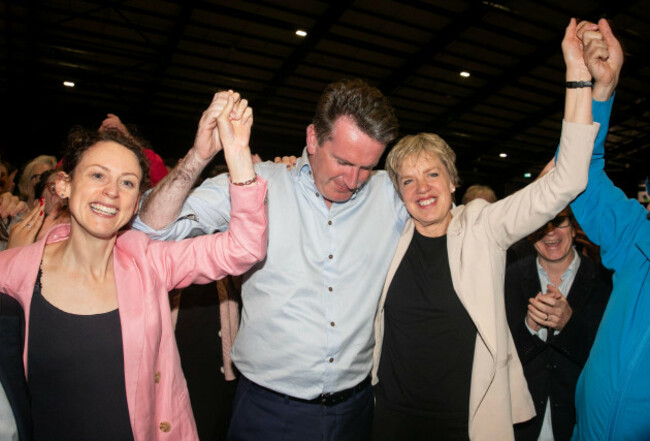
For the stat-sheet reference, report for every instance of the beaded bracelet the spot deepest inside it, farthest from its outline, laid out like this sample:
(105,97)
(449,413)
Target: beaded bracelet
(241,184)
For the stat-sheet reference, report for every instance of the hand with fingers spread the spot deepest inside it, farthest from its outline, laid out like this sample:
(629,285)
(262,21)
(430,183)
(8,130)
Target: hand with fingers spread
(603,56)
(234,124)
(25,232)
(207,142)
(10,205)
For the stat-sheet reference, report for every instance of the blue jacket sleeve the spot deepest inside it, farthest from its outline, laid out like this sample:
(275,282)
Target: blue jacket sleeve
(604,212)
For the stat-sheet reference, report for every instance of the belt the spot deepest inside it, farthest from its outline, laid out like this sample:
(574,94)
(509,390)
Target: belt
(328,399)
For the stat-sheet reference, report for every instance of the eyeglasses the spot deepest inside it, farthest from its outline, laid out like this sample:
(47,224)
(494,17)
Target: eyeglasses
(559,221)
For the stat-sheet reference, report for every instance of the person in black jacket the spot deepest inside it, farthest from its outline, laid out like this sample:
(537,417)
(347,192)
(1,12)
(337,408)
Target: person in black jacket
(14,405)
(570,291)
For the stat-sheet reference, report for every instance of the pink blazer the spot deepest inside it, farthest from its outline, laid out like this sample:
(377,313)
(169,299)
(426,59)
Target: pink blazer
(145,270)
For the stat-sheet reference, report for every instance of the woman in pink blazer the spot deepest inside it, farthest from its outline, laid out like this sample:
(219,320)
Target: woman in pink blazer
(100,354)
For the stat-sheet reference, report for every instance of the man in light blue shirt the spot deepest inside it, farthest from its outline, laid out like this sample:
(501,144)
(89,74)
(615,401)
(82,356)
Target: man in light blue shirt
(305,343)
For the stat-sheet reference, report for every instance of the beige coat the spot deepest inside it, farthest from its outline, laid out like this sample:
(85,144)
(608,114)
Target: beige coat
(477,239)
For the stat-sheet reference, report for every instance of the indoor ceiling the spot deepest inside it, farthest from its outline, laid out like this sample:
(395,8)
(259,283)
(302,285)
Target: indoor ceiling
(156,64)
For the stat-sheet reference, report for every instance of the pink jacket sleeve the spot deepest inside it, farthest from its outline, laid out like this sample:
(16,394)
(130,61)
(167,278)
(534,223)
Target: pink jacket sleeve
(214,256)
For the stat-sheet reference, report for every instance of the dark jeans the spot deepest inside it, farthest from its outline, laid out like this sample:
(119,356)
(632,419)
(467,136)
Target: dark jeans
(260,414)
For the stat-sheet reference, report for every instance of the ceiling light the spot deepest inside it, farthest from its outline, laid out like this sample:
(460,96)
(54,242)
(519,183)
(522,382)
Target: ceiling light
(503,155)
(527,175)
(68,84)
(465,74)
(301,33)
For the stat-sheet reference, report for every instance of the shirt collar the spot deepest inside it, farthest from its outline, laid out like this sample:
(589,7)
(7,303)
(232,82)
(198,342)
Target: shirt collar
(571,269)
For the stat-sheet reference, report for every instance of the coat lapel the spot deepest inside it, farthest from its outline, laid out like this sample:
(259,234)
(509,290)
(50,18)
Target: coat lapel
(131,310)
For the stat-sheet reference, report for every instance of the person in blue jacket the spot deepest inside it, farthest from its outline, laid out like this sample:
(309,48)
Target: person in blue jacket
(613,392)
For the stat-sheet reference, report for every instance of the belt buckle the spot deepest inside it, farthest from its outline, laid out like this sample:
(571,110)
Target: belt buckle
(326,399)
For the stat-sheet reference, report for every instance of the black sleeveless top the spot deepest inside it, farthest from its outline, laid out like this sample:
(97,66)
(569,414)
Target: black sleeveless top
(76,374)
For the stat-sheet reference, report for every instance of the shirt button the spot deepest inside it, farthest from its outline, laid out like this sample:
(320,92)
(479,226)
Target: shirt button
(329,222)
(156,377)
(332,324)
(317,194)
(331,256)
(165,426)
(332,360)
(330,289)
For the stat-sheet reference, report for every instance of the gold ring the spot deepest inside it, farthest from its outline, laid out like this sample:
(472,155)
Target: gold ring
(546,317)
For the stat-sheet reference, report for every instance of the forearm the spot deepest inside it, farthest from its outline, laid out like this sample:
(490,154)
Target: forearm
(240,165)
(164,203)
(577,106)
(211,257)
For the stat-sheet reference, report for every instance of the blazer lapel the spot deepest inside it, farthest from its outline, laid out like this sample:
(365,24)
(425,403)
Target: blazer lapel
(131,310)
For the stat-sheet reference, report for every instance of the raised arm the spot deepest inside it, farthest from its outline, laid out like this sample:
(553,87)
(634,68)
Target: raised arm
(577,105)
(212,257)
(164,202)
(519,214)
(599,209)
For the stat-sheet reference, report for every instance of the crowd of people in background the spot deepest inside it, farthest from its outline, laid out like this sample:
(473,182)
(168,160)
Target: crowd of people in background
(318,298)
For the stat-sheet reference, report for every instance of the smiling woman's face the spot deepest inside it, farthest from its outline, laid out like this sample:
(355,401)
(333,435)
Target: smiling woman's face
(426,189)
(104,189)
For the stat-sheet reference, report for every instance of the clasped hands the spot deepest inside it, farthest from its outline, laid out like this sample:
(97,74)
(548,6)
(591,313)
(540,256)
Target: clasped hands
(228,120)
(550,310)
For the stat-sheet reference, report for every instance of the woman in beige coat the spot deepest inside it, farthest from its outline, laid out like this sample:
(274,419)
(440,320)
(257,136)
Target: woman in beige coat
(445,362)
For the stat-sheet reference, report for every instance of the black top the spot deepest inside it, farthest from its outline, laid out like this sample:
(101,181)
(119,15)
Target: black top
(429,339)
(12,371)
(76,374)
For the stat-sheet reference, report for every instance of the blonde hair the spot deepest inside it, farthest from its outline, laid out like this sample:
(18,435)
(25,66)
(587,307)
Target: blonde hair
(415,145)
(26,190)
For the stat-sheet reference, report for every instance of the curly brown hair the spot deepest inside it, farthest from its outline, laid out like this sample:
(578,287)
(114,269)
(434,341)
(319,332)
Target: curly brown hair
(81,139)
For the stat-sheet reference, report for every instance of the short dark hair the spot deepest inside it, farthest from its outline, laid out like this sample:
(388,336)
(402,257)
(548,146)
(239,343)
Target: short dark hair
(366,105)
(81,139)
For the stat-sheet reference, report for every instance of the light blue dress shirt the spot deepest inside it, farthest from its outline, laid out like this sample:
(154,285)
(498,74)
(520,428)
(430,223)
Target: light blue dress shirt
(308,308)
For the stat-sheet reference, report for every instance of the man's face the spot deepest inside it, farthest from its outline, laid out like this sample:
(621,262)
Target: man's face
(344,161)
